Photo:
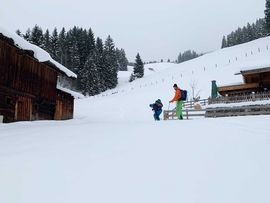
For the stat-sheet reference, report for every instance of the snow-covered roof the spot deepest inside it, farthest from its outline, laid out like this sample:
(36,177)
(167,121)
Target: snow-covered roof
(254,65)
(230,84)
(76,95)
(39,54)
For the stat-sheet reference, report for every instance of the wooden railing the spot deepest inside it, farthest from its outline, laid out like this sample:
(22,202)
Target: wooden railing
(238,111)
(187,113)
(241,98)
(189,109)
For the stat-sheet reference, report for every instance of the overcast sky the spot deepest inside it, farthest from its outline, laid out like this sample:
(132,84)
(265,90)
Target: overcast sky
(157,29)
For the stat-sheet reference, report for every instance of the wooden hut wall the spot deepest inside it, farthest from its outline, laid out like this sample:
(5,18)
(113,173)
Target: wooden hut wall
(22,72)
(254,78)
(64,106)
(7,105)
(33,85)
(263,79)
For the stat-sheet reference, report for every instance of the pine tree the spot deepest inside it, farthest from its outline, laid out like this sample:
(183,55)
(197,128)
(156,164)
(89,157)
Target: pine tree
(179,58)
(89,72)
(118,57)
(247,33)
(138,67)
(110,64)
(62,47)
(27,34)
(100,63)
(55,45)
(73,59)
(18,32)
(121,59)
(187,55)
(267,16)
(239,38)
(261,28)
(90,76)
(83,43)
(250,34)
(47,42)
(36,36)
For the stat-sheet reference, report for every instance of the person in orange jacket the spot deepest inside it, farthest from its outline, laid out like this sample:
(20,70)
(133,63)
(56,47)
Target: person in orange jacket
(179,102)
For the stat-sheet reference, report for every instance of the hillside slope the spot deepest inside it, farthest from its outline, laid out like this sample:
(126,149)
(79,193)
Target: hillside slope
(130,101)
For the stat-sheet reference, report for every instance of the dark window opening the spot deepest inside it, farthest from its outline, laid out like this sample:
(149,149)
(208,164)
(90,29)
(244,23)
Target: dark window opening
(35,107)
(8,100)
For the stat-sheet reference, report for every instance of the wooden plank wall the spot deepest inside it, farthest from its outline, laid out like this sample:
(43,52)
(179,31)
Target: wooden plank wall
(23,109)
(64,106)
(7,106)
(25,74)
(29,84)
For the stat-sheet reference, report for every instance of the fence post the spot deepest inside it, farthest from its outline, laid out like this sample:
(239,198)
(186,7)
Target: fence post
(253,96)
(187,113)
(165,115)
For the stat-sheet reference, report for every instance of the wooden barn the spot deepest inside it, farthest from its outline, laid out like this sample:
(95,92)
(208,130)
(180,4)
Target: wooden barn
(255,79)
(28,83)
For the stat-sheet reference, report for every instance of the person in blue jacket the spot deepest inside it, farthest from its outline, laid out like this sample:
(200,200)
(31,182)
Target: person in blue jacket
(157,108)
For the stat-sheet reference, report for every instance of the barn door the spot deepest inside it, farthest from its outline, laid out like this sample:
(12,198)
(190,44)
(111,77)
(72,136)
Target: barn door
(58,110)
(23,110)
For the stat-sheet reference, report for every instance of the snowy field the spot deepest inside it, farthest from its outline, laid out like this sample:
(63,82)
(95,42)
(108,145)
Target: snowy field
(205,160)
(113,151)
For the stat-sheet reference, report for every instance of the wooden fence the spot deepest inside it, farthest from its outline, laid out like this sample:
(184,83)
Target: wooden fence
(241,98)
(237,111)
(191,111)
(190,104)
(220,112)
(187,113)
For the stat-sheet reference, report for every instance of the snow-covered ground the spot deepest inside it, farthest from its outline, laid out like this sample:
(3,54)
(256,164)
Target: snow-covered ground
(88,160)
(113,151)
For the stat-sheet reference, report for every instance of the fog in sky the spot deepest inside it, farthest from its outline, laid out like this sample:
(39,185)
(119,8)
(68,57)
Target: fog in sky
(154,28)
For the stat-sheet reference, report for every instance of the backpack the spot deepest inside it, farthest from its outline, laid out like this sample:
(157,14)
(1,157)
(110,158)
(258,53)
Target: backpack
(183,95)
(159,103)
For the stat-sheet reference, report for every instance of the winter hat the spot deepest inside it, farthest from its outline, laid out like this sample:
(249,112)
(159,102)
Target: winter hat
(175,85)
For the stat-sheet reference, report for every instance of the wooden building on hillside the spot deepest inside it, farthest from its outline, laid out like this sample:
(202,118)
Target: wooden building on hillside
(28,83)
(254,80)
